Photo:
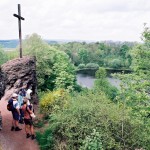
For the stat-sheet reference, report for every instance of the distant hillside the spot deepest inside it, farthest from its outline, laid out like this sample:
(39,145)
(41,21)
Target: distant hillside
(9,43)
(14,43)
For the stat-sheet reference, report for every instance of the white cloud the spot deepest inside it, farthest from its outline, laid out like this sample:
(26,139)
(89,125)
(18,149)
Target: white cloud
(76,19)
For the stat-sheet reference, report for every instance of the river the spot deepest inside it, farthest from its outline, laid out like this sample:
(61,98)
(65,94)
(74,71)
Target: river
(88,81)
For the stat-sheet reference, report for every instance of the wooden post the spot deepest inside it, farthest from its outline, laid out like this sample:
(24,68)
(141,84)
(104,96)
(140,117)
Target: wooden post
(19,25)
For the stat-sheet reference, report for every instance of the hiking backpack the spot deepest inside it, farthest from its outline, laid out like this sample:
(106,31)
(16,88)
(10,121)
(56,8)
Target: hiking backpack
(10,106)
(31,108)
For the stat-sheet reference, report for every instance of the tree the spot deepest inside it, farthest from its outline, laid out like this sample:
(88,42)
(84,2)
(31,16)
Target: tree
(64,72)
(92,66)
(52,65)
(116,63)
(101,84)
(123,50)
(135,89)
(101,73)
(84,56)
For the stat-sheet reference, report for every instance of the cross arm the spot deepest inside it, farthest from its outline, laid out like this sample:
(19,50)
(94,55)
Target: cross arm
(19,17)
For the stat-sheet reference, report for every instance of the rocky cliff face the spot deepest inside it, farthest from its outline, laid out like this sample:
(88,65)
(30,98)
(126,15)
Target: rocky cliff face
(17,72)
(2,83)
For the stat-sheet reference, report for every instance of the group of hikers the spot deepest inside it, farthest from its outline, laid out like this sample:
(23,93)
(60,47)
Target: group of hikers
(22,111)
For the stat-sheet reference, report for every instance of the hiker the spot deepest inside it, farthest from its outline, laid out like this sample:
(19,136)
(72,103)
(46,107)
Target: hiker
(21,95)
(15,112)
(20,101)
(28,119)
(28,94)
(23,90)
(0,121)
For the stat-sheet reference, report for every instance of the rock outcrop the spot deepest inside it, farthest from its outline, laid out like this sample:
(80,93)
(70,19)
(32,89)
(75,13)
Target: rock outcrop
(2,83)
(16,73)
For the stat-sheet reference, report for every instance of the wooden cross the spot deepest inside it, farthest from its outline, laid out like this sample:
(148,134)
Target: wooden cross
(19,25)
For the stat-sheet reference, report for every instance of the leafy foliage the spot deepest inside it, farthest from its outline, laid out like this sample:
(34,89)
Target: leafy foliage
(54,69)
(92,66)
(105,54)
(92,121)
(102,84)
(81,66)
(52,101)
(116,63)
(12,54)
(64,72)
(3,56)
(101,73)
(92,142)
(134,92)
(45,140)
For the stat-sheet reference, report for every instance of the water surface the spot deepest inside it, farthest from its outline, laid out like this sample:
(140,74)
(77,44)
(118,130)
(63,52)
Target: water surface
(88,81)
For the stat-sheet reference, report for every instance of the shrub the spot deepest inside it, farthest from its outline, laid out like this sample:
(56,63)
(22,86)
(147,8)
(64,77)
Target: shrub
(12,54)
(92,66)
(3,56)
(45,140)
(116,63)
(92,110)
(103,85)
(100,73)
(92,142)
(52,101)
(81,66)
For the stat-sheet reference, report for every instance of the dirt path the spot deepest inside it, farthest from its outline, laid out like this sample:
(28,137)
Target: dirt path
(13,140)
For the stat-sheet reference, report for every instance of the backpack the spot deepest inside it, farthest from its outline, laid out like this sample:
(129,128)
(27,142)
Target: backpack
(31,108)
(22,92)
(10,106)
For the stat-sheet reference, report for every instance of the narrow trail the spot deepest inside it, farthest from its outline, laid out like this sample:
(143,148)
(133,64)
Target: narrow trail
(13,140)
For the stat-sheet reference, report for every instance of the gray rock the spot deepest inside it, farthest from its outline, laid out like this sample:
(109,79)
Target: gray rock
(15,73)
(2,83)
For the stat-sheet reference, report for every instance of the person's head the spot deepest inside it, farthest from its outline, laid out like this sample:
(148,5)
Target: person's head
(30,87)
(14,95)
(24,85)
(25,100)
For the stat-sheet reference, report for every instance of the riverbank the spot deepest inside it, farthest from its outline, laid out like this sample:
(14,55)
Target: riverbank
(109,71)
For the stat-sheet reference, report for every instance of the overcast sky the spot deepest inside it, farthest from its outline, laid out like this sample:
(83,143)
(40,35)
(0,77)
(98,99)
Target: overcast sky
(117,20)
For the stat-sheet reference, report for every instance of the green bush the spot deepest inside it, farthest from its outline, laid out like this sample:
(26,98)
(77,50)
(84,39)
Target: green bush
(103,85)
(81,66)
(53,67)
(92,142)
(12,54)
(52,101)
(90,110)
(3,56)
(116,63)
(45,140)
(100,73)
(92,66)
